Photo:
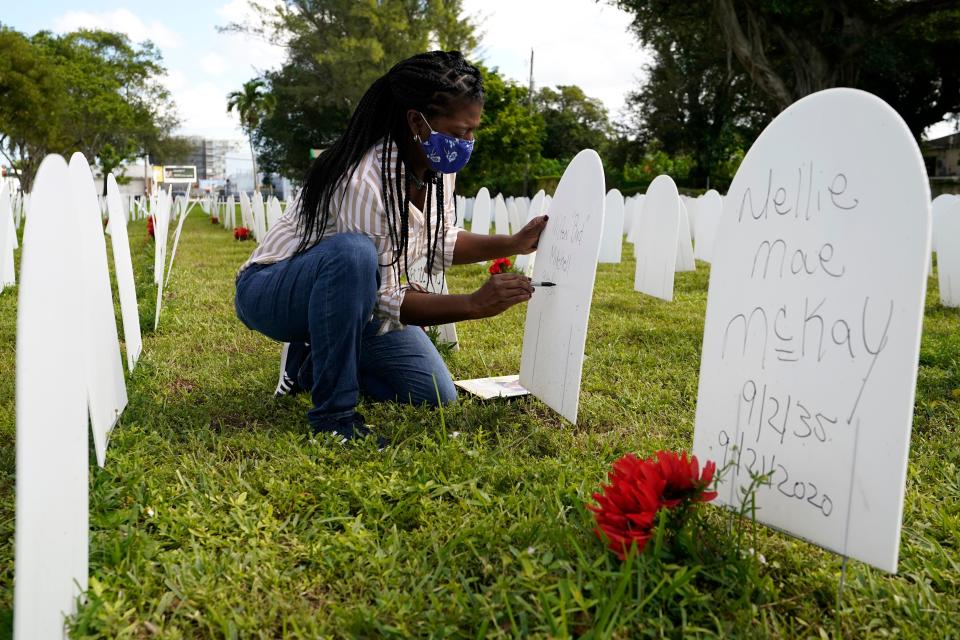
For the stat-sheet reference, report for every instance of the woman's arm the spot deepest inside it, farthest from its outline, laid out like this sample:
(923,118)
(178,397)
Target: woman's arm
(498,294)
(474,247)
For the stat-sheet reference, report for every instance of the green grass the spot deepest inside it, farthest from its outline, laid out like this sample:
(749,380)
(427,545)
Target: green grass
(217,515)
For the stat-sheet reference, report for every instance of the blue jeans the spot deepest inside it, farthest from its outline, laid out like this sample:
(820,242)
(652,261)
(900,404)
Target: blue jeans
(325,296)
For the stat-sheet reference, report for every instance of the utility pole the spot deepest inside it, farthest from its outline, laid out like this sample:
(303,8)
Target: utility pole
(526,170)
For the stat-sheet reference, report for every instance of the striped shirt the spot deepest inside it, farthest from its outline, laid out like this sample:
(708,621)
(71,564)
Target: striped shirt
(362,210)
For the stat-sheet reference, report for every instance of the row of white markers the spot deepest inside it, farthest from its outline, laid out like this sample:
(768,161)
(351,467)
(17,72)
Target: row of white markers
(809,357)
(68,346)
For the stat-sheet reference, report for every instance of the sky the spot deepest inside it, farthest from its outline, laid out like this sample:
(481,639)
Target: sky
(584,42)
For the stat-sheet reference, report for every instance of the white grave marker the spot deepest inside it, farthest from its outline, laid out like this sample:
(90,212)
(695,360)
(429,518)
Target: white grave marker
(555,332)
(501,216)
(709,208)
(637,220)
(123,267)
(8,235)
(436,283)
(52,521)
(657,233)
(106,388)
(526,262)
(685,260)
(946,236)
(812,330)
(611,242)
(481,213)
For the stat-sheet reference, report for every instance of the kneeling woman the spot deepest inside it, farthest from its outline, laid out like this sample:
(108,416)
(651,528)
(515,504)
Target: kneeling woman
(327,277)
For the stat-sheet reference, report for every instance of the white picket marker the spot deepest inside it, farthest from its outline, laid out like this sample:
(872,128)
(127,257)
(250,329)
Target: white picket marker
(946,237)
(123,267)
(8,235)
(435,283)
(685,260)
(637,220)
(628,205)
(259,217)
(161,228)
(230,214)
(481,213)
(513,212)
(106,388)
(555,331)
(942,205)
(611,242)
(501,216)
(709,208)
(273,212)
(656,247)
(526,262)
(691,206)
(52,521)
(812,331)
(246,217)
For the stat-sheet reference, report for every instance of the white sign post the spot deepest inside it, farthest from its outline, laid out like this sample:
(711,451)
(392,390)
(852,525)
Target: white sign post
(52,519)
(106,388)
(656,247)
(611,243)
(946,241)
(812,331)
(481,213)
(123,266)
(435,283)
(8,237)
(709,207)
(555,332)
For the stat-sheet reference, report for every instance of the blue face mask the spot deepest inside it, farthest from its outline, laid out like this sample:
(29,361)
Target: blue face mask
(445,153)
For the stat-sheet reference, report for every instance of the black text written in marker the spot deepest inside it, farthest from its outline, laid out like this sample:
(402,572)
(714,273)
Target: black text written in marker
(543,284)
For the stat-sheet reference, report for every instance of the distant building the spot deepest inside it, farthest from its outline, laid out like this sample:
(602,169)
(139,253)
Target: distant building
(942,159)
(210,157)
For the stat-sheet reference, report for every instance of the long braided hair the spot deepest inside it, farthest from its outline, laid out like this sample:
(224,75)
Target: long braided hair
(428,82)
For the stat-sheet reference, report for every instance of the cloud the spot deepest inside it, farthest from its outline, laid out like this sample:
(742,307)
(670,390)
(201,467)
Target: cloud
(212,63)
(121,20)
(585,43)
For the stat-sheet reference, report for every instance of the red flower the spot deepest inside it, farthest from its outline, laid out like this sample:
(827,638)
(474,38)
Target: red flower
(214,220)
(626,509)
(501,265)
(241,233)
(150,227)
(683,478)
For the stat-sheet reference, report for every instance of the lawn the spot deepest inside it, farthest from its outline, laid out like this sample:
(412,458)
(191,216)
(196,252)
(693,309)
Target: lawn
(218,516)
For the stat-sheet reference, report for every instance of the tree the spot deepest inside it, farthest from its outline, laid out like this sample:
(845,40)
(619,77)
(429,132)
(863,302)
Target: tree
(252,104)
(573,121)
(335,50)
(904,51)
(31,102)
(693,104)
(510,136)
(88,91)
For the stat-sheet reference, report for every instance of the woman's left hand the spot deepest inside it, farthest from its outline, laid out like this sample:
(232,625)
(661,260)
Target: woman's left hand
(525,241)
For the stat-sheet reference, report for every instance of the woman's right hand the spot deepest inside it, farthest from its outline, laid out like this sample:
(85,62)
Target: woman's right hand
(499,293)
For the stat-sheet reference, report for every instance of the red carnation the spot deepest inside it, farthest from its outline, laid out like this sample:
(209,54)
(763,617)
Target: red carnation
(150,227)
(626,509)
(241,233)
(501,265)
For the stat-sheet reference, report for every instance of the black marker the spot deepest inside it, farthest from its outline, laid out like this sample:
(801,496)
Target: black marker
(543,284)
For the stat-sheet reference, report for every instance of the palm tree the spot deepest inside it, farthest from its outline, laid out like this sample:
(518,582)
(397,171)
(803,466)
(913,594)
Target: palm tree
(253,103)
